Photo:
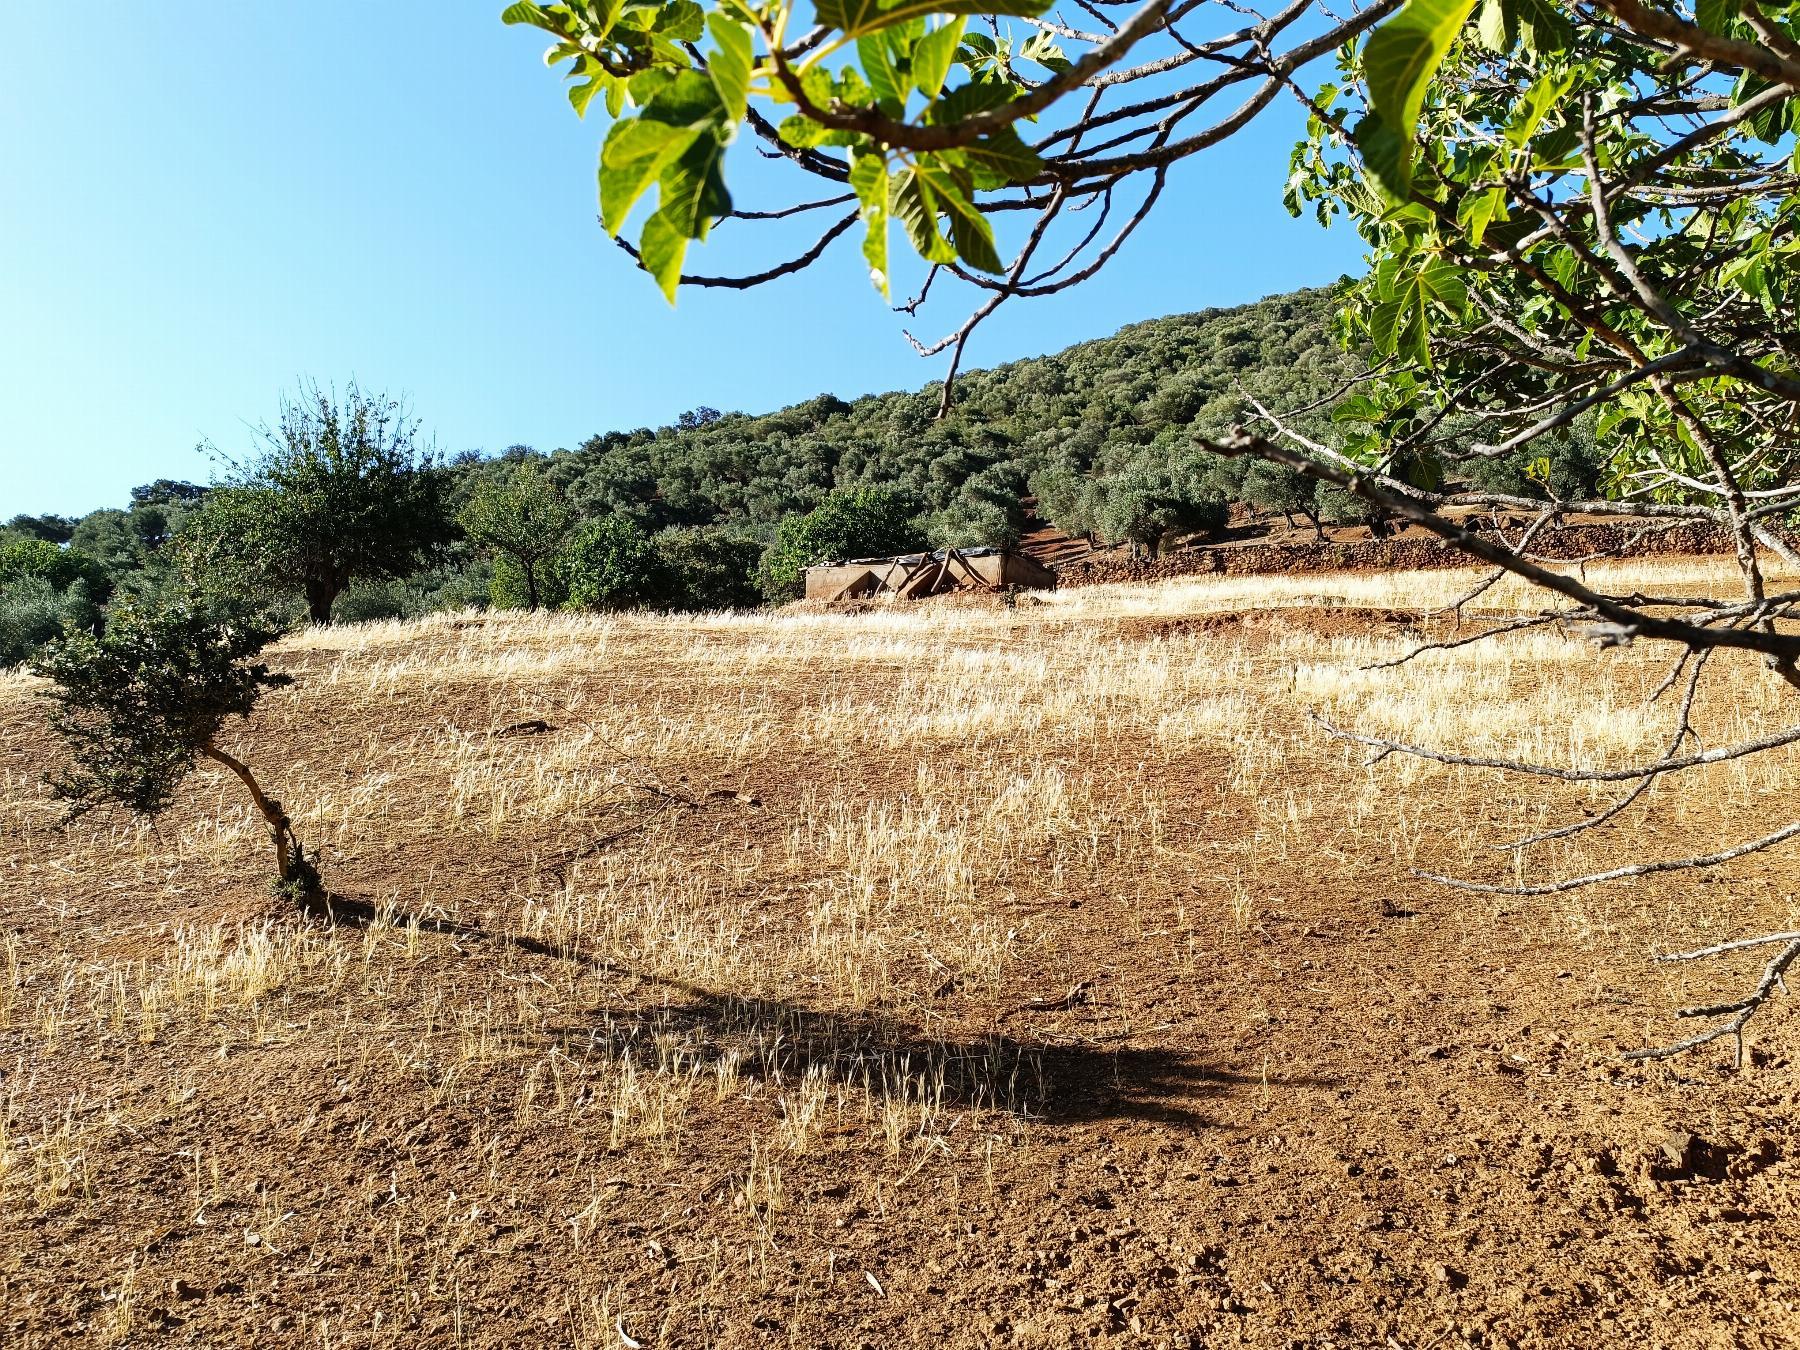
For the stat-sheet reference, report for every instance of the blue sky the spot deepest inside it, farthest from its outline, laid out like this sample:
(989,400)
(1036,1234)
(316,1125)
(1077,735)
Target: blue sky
(224,201)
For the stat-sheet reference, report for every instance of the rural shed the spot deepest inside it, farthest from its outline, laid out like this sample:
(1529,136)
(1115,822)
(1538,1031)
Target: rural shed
(912,576)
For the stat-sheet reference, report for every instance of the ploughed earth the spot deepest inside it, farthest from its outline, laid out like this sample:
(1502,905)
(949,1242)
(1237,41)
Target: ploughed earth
(1032,975)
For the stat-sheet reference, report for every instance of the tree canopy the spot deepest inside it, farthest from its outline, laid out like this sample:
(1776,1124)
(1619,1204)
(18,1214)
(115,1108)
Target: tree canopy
(520,515)
(138,703)
(339,489)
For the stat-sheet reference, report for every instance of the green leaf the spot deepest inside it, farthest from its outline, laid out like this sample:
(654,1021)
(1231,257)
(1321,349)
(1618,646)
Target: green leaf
(1504,24)
(582,94)
(856,17)
(1494,27)
(966,100)
(647,84)
(1002,159)
(1545,93)
(661,248)
(933,53)
(1043,48)
(1541,25)
(801,132)
(852,89)
(730,64)
(1397,329)
(634,155)
(1716,16)
(642,149)
(911,202)
(1443,282)
(1480,209)
(691,191)
(1356,408)
(969,229)
(681,21)
(1398,62)
(1382,152)
(526,12)
(886,82)
(869,180)
(1405,289)
(1420,468)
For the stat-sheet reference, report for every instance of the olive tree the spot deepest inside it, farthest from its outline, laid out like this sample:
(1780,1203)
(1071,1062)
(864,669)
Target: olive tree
(521,516)
(1272,487)
(340,489)
(140,703)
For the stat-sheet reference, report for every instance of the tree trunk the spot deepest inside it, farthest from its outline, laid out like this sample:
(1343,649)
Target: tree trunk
(531,591)
(1318,527)
(281,829)
(321,592)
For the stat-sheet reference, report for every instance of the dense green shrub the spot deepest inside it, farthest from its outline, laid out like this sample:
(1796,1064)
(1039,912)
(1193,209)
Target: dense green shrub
(709,568)
(23,557)
(32,612)
(869,522)
(611,563)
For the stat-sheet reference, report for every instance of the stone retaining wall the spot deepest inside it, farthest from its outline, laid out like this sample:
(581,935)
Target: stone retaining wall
(1384,555)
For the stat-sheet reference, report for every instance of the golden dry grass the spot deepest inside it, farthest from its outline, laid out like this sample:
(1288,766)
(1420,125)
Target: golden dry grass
(808,979)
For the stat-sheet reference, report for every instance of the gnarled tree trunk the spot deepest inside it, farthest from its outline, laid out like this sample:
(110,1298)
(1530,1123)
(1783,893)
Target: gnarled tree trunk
(288,858)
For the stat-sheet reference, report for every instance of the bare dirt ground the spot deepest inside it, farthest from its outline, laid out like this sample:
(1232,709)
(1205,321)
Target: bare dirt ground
(1034,976)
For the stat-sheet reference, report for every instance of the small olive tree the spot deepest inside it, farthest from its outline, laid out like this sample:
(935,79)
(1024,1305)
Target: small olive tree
(522,517)
(138,704)
(1272,487)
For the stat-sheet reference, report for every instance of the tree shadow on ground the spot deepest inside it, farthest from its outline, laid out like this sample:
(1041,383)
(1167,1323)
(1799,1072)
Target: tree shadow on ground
(1061,1080)
(336,910)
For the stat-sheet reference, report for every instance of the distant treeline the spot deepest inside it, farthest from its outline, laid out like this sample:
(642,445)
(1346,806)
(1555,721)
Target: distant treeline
(724,509)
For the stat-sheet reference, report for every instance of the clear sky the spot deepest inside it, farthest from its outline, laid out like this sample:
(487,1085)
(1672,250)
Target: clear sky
(224,200)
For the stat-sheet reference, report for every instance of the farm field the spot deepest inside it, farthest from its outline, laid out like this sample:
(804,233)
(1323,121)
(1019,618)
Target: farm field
(961,974)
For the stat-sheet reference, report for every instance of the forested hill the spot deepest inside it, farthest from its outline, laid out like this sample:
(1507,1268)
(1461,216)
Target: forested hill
(721,510)
(1120,408)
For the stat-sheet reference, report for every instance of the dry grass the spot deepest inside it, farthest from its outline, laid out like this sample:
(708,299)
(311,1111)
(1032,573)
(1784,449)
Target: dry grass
(798,919)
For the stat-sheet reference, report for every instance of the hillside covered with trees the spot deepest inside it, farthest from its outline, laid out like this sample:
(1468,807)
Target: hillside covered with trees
(718,509)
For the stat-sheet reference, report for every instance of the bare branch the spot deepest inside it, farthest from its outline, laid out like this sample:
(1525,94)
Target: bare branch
(744,283)
(1721,755)
(1767,841)
(1737,1014)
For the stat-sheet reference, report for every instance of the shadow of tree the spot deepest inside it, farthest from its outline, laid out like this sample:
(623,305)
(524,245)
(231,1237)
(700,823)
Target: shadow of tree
(1050,1081)
(781,1042)
(336,910)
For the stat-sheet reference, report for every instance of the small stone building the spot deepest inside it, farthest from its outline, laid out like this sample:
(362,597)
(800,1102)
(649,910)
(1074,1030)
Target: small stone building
(912,576)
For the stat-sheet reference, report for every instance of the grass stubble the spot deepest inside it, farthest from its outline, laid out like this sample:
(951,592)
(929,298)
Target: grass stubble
(795,941)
